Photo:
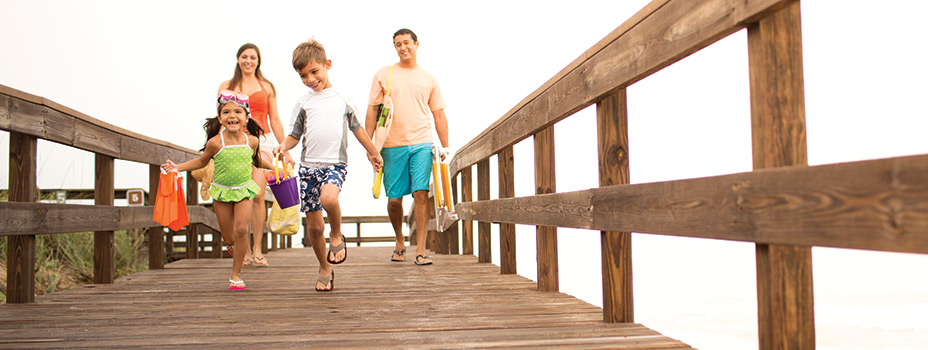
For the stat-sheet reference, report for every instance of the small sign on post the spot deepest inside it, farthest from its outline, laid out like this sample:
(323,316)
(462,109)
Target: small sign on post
(61,196)
(135,197)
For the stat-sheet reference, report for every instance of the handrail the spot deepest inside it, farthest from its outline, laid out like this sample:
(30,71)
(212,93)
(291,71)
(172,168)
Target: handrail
(784,206)
(28,118)
(628,54)
(39,117)
(24,218)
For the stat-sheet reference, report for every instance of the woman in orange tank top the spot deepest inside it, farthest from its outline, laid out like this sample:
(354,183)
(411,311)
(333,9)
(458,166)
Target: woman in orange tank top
(248,80)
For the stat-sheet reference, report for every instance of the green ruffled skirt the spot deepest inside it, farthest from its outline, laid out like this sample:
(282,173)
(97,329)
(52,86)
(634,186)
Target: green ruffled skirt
(239,193)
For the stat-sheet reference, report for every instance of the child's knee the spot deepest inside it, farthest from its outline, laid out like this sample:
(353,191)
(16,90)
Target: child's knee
(242,229)
(329,203)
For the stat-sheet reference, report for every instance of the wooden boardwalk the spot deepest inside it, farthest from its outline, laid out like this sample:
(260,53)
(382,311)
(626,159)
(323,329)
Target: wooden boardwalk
(456,303)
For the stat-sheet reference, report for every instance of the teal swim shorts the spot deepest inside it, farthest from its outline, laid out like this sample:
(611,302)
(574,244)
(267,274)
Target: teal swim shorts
(406,169)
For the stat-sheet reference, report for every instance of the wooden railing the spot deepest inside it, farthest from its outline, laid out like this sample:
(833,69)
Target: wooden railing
(358,239)
(784,206)
(28,118)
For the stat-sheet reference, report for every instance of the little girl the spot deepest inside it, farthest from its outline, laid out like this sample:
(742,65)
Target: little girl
(233,152)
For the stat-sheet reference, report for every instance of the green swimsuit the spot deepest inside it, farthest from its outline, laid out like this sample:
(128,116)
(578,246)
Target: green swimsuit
(232,175)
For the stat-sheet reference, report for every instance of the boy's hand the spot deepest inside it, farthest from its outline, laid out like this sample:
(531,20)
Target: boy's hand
(376,161)
(169,166)
(289,160)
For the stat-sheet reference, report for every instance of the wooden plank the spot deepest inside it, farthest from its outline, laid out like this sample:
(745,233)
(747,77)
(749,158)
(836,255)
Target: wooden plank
(454,235)
(193,232)
(874,205)
(545,235)
(467,226)
(39,117)
(74,193)
(20,254)
(46,218)
(507,232)
(104,242)
(612,136)
(5,118)
(155,233)
(96,139)
(463,305)
(661,34)
(484,243)
(786,317)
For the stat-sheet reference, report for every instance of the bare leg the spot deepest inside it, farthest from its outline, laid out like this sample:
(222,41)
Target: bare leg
(395,212)
(316,227)
(328,196)
(258,215)
(233,223)
(421,201)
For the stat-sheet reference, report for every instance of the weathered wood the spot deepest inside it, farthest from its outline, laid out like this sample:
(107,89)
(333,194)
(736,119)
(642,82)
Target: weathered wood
(612,136)
(545,236)
(484,244)
(155,233)
(45,218)
(193,232)
(659,35)
(462,305)
(39,117)
(874,205)
(467,226)
(453,232)
(786,318)
(507,232)
(20,253)
(104,249)
(75,193)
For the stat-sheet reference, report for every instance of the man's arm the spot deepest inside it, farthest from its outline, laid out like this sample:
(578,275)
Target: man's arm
(370,121)
(441,126)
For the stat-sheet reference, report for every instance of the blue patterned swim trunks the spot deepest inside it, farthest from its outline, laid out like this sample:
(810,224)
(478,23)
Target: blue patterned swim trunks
(312,180)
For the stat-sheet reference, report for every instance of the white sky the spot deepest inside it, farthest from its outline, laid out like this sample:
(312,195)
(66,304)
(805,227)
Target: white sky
(154,68)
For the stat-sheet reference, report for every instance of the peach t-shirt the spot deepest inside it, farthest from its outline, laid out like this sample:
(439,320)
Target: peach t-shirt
(415,94)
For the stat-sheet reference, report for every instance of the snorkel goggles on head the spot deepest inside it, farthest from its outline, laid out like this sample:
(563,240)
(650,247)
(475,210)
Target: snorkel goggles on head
(226,96)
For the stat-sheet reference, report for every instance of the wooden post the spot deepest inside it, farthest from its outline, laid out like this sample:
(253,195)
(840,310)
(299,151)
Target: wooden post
(155,234)
(485,253)
(20,249)
(193,230)
(612,135)
(104,251)
(467,195)
(453,233)
(274,241)
(545,236)
(784,273)
(507,232)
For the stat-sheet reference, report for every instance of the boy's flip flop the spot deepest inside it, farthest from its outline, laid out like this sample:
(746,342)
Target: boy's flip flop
(423,258)
(334,249)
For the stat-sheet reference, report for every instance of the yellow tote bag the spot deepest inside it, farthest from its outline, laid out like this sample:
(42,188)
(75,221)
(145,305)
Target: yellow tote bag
(284,221)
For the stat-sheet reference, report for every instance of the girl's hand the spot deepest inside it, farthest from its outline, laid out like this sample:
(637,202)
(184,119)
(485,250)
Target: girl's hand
(169,166)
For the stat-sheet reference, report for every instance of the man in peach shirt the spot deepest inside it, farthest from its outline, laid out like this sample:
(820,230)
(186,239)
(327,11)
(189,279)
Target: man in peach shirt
(407,152)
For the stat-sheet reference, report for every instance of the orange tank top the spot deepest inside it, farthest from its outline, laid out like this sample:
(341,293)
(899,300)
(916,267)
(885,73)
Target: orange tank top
(259,105)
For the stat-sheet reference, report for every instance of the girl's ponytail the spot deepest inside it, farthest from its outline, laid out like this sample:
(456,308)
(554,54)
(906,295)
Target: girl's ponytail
(212,128)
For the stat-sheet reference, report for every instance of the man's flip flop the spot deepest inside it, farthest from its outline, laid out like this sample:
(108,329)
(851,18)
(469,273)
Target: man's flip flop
(398,253)
(334,249)
(423,258)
